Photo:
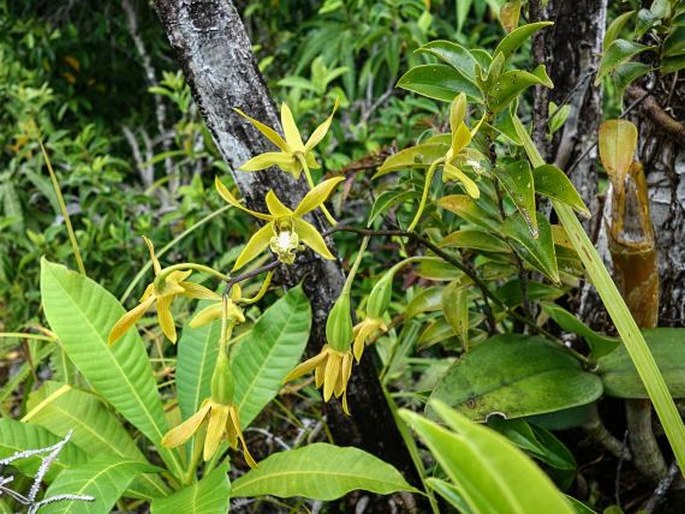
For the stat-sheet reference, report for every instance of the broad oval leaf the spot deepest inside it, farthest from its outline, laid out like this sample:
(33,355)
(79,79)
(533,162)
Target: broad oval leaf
(617,53)
(419,156)
(320,471)
(553,183)
(61,408)
(210,495)
(105,478)
(453,54)
(517,180)
(265,355)
(513,376)
(629,72)
(667,345)
(538,252)
(489,473)
(467,208)
(439,81)
(82,313)
(427,300)
(512,83)
(517,37)
(475,239)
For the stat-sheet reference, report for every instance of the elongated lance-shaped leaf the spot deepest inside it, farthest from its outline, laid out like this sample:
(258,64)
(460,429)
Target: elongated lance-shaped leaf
(104,478)
(618,310)
(82,313)
(210,495)
(320,471)
(264,356)
(517,37)
(96,430)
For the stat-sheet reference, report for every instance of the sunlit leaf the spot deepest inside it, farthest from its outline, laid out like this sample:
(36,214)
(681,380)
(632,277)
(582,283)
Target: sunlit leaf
(615,27)
(415,156)
(517,180)
(538,252)
(512,83)
(617,145)
(440,82)
(210,495)
(617,53)
(517,37)
(553,183)
(453,54)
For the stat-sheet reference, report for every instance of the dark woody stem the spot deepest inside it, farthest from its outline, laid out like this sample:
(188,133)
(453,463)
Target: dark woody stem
(250,274)
(487,294)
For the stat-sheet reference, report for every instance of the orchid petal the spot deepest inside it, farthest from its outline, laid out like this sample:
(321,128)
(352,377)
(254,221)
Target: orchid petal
(317,196)
(166,321)
(155,263)
(256,245)
(228,196)
(276,207)
(206,315)
(128,320)
(235,421)
(268,159)
(331,375)
(199,292)
(215,430)
(454,173)
(305,367)
(311,237)
(292,135)
(180,434)
(321,130)
(268,132)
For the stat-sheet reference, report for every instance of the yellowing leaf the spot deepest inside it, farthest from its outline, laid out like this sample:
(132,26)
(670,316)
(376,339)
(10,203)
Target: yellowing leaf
(617,145)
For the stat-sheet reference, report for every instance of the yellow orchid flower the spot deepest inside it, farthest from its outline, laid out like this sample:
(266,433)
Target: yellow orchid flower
(332,370)
(363,331)
(221,420)
(285,231)
(215,311)
(461,137)
(162,291)
(294,156)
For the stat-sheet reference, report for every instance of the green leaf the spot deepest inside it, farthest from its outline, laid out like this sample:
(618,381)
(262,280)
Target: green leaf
(553,183)
(475,239)
(557,116)
(514,376)
(427,300)
(197,353)
(463,8)
(467,208)
(210,495)
(455,307)
(450,493)
(517,180)
(517,37)
(60,408)
(434,268)
(629,72)
(512,83)
(105,478)
(672,64)
(617,53)
(320,471)
(453,54)
(668,348)
(511,294)
(265,355)
(18,436)
(82,313)
(674,44)
(386,200)
(539,252)
(615,28)
(419,156)
(599,344)
(439,81)
(488,472)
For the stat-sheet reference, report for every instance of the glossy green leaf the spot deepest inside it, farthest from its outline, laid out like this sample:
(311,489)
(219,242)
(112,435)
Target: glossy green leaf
(539,252)
(453,54)
(427,300)
(629,72)
(438,81)
(512,83)
(434,268)
(615,27)
(514,376)
(517,37)
(450,493)
(475,239)
(599,344)
(467,208)
(674,44)
(61,408)
(617,53)
(387,200)
(553,183)
(195,359)
(82,313)
(517,180)
(557,116)
(504,125)
(455,307)
(264,356)
(210,495)
(437,331)
(668,348)
(16,436)
(488,472)
(105,478)
(463,8)
(320,471)
(672,64)
(419,156)
(510,293)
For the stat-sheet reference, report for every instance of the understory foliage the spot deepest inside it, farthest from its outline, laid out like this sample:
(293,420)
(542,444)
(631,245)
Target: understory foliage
(166,370)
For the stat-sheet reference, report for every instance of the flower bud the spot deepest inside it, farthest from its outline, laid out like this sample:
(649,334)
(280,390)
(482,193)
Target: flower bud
(379,299)
(222,386)
(339,324)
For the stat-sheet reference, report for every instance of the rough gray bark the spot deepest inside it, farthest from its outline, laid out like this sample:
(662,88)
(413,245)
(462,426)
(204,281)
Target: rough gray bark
(212,48)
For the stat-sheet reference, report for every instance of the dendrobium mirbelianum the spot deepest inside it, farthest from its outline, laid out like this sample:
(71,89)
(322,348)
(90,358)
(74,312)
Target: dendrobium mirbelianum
(285,231)
(169,283)
(294,156)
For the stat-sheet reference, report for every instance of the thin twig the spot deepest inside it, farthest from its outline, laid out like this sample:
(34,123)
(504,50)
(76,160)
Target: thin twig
(661,489)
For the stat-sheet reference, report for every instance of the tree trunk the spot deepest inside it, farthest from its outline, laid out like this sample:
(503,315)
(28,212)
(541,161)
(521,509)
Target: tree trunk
(213,50)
